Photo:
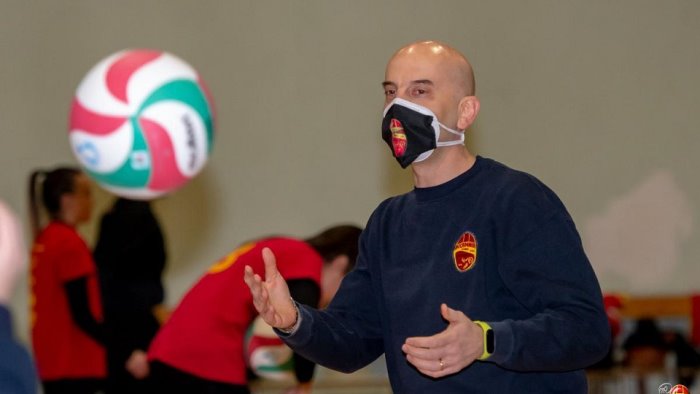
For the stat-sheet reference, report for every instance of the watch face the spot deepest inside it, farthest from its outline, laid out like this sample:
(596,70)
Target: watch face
(490,345)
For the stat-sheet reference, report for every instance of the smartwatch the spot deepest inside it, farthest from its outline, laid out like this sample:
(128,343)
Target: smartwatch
(489,340)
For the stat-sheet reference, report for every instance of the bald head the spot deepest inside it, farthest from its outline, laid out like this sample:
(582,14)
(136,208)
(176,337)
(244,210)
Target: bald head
(435,76)
(443,59)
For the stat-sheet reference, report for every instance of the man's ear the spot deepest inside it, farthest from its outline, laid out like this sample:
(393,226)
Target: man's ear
(340,263)
(468,110)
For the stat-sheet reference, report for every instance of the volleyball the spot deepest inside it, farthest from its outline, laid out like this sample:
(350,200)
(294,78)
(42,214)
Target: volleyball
(267,356)
(142,123)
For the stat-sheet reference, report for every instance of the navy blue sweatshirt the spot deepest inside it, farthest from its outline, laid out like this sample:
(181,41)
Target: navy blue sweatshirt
(528,277)
(17,373)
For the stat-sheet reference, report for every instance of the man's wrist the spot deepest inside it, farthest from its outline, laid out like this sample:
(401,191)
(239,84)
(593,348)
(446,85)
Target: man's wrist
(297,320)
(488,340)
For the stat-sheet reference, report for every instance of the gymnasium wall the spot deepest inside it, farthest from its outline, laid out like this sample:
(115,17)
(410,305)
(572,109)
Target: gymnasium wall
(598,99)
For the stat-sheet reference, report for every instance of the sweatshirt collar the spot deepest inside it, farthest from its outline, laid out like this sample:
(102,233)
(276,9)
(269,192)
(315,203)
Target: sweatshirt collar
(425,194)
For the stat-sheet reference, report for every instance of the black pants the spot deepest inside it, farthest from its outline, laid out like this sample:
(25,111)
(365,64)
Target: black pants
(72,386)
(126,329)
(166,379)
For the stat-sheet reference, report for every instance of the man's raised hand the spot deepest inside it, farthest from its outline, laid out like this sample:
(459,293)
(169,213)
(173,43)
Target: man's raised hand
(271,296)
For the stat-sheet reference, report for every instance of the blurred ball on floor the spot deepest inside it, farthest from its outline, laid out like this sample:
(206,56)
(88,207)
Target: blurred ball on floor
(267,356)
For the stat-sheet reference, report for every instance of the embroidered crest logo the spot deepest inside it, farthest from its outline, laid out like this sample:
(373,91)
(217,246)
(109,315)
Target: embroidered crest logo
(398,137)
(464,253)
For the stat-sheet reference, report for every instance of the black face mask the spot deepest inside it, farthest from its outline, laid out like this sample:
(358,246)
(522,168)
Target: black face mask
(412,131)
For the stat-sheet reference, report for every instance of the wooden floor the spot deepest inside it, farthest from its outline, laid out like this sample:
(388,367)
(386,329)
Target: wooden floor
(372,379)
(613,382)
(344,386)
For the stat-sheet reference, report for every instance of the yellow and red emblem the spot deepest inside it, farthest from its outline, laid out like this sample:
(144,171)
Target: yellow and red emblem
(679,389)
(398,137)
(464,253)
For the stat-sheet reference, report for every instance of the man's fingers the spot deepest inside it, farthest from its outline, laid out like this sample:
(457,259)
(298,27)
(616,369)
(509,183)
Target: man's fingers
(268,293)
(451,315)
(257,290)
(270,264)
(431,342)
(433,368)
(253,284)
(420,352)
(248,276)
(424,365)
(444,353)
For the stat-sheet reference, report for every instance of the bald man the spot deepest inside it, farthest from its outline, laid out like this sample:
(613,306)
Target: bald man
(474,281)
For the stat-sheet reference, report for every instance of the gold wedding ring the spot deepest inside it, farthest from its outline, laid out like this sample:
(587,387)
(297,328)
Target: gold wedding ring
(442,365)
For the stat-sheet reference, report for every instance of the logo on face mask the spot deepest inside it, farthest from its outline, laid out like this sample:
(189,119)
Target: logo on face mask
(398,137)
(413,132)
(464,253)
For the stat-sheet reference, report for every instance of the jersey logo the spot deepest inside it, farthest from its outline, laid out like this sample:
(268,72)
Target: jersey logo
(464,253)
(231,258)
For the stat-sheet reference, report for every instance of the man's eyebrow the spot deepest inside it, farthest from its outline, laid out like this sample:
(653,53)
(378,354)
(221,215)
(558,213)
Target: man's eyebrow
(416,82)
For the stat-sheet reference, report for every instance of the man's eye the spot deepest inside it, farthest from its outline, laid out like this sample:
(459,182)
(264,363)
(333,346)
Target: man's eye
(389,92)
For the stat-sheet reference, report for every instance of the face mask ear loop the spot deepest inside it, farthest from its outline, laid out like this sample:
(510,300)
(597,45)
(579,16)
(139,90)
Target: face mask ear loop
(449,130)
(450,143)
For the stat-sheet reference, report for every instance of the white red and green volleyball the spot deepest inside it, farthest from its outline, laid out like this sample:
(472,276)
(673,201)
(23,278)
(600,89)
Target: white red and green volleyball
(142,123)
(267,356)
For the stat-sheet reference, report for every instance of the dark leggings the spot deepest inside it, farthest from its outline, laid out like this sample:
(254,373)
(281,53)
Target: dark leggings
(72,386)
(170,380)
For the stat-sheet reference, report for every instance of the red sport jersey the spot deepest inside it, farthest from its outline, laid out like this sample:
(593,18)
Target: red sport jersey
(204,335)
(61,349)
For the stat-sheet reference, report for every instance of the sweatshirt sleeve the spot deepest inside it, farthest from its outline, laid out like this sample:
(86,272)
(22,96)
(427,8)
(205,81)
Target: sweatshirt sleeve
(550,275)
(17,374)
(347,335)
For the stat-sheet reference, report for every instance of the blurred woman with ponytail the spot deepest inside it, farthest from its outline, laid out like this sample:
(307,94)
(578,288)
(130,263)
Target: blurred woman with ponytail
(67,334)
